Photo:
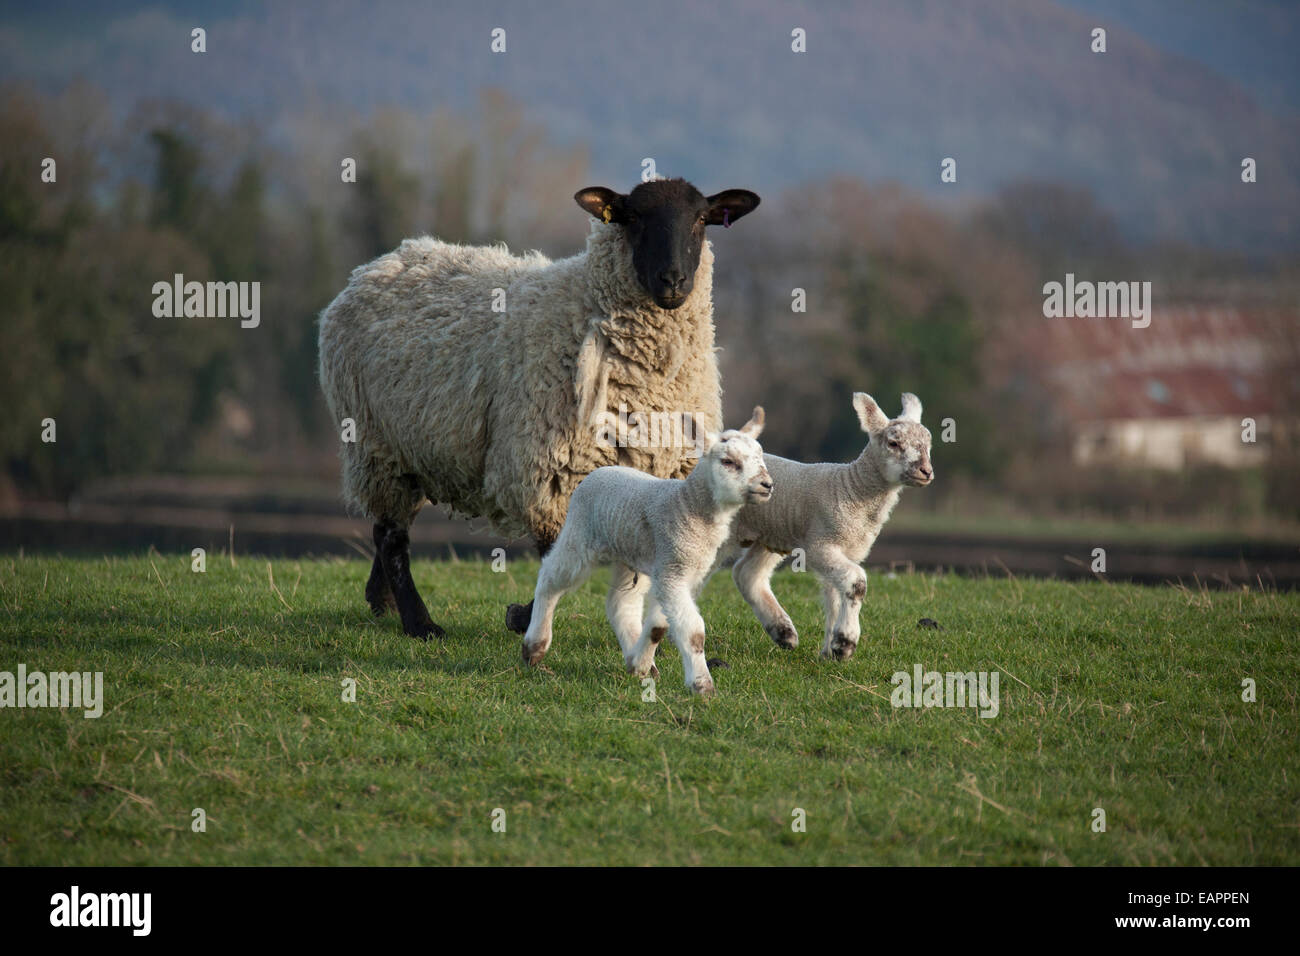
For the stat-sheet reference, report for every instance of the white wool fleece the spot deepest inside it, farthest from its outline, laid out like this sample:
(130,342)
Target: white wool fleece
(493,413)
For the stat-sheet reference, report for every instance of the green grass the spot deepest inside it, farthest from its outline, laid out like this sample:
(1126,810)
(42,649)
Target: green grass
(220,696)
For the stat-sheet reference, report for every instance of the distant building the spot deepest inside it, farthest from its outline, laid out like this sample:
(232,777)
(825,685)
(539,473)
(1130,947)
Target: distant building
(1174,394)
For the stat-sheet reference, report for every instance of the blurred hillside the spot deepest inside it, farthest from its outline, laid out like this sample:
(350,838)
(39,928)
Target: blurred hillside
(886,89)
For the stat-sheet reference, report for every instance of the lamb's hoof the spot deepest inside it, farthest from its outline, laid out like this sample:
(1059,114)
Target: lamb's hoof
(841,648)
(929,623)
(637,671)
(784,635)
(704,687)
(518,617)
(425,630)
(715,662)
(533,655)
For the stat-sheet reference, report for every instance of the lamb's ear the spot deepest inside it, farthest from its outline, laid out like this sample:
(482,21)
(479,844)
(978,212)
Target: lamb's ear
(707,440)
(911,408)
(870,417)
(729,205)
(605,204)
(754,427)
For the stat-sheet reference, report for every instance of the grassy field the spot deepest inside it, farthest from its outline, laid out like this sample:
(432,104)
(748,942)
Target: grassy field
(224,692)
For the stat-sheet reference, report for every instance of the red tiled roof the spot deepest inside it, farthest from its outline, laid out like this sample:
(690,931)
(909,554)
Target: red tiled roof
(1194,361)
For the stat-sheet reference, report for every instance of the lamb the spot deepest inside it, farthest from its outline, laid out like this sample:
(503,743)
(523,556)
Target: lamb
(834,512)
(480,379)
(663,536)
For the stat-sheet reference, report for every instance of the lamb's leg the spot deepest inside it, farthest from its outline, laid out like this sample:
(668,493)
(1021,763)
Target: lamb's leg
(832,607)
(686,628)
(752,573)
(696,590)
(641,661)
(562,571)
(378,594)
(518,615)
(844,584)
(395,555)
(624,606)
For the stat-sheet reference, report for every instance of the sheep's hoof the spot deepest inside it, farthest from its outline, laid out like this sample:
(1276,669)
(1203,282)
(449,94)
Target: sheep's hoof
(784,635)
(714,662)
(381,604)
(533,655)
(841,648)
(518,617)
(425,630)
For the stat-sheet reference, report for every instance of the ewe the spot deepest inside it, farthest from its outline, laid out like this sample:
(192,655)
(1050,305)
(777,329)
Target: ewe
(496,413)
(834,513)
(663,536)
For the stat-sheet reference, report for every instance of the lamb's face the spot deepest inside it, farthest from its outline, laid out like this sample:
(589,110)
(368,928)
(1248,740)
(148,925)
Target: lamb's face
(901,447)
(735,464)
(905,453)
(664,222)
(740,475)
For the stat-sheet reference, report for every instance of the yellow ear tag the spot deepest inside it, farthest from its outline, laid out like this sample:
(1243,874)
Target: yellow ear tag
(608,214)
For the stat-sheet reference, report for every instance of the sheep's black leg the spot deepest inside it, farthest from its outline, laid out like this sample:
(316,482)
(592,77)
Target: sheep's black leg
(395,554)
(518,616)
(378,594)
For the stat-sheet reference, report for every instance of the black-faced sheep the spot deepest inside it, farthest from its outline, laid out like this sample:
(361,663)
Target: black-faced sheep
(480,380)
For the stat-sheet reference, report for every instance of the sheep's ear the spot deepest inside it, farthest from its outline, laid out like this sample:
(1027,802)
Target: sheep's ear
(870,417)
(729,205)
(911,408)
(754,427)
(605,204)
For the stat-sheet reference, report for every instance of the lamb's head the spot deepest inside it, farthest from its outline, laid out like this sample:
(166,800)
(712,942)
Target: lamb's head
(664,222)
(901,448)
(733,464)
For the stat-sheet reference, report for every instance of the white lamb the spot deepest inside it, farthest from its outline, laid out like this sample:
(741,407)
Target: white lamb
(663,536)
(834,512)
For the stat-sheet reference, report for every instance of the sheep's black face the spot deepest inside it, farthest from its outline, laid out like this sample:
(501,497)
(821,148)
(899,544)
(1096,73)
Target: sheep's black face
(664,222)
